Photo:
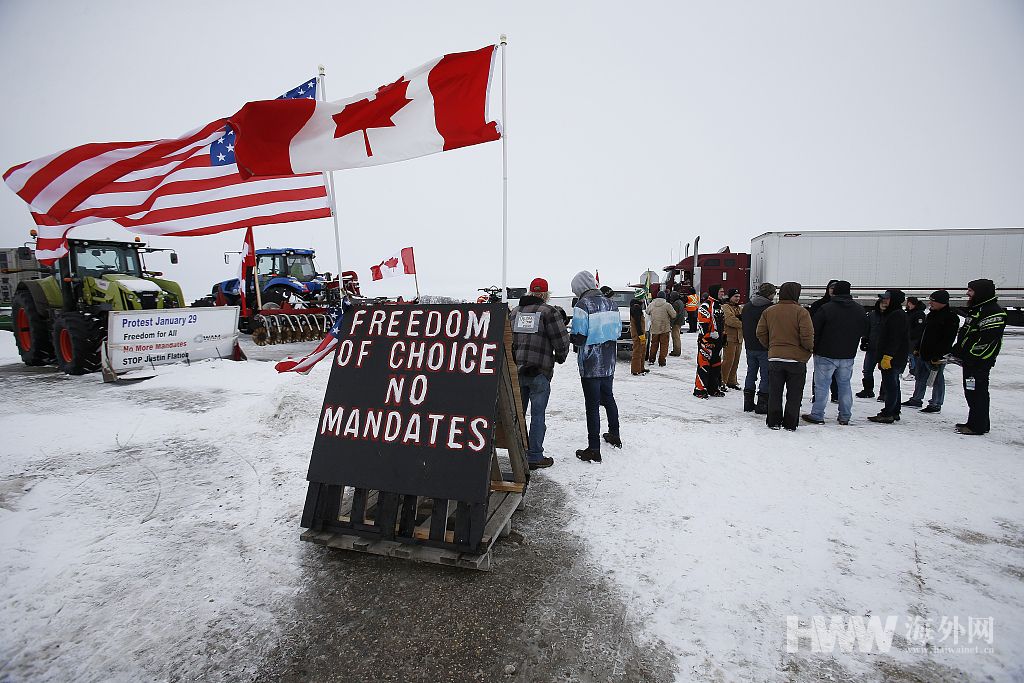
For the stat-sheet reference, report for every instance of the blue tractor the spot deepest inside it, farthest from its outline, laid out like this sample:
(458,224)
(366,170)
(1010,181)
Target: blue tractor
(294,300)
(284,275)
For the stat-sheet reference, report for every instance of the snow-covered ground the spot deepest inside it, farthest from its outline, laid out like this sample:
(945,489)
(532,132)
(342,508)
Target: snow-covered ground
(144,525)
(720,528)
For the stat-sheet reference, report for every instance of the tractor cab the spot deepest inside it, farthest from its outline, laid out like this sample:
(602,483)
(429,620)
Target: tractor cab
(96,259)
(293,263)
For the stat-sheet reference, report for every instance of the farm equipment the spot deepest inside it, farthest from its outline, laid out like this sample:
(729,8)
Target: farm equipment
(62,316)
(16,264)
(293,301)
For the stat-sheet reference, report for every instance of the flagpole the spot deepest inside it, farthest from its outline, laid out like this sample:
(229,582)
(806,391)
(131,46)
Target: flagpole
(329,177)
(504,176)
(416,279)
(255,275)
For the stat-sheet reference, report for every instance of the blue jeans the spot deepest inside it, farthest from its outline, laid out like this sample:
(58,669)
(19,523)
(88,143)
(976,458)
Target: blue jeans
(536,391)
(824,368)
(921,374)
(597,392)
(757,364)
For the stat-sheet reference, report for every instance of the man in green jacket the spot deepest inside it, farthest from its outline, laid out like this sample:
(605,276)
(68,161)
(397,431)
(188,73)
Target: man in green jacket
(977,345)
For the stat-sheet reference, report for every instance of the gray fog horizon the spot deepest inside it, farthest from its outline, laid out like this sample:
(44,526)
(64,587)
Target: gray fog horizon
(630,131)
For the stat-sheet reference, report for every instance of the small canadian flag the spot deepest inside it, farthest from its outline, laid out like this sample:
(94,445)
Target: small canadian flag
(401,263)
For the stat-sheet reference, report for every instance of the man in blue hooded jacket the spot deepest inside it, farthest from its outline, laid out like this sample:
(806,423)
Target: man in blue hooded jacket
(595,327)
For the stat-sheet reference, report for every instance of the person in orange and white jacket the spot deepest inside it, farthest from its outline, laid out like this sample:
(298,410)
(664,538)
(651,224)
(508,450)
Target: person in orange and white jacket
(710,342)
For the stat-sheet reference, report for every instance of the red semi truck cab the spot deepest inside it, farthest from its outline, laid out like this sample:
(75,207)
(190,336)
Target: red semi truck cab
(731,270)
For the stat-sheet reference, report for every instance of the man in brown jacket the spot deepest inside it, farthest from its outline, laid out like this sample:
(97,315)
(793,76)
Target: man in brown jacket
(734,338)
(787,331)
(662,314)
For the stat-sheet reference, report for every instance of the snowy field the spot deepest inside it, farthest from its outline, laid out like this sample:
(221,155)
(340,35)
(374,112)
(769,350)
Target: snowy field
(150,531)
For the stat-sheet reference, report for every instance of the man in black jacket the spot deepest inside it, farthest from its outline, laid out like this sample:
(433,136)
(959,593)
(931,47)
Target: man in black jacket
(838,326)
(757,354)
(977,346)
(915,327)
(869,345)
(937,337)
(893,349)
(813,310)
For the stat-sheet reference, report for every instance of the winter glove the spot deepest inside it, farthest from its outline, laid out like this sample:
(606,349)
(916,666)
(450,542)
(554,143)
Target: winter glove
(863,344)
(713,335)
(642,338)
(886,363)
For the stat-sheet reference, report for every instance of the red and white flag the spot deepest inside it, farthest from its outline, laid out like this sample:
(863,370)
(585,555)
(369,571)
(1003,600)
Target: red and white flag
(188,185)
(402,263)
(248,265)
(324,348)
(439,106)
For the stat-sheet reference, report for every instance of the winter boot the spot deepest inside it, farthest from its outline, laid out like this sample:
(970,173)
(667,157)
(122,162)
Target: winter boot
(612,439)
(761,408)
(869,388)
(748,400)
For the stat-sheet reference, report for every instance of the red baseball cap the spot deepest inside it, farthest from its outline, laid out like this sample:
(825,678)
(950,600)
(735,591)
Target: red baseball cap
(539,285)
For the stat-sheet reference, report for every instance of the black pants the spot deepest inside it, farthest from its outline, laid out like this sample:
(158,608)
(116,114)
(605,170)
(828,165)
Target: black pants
(691,321)
(791,377)
(890,389)
(977,398)
(597,392)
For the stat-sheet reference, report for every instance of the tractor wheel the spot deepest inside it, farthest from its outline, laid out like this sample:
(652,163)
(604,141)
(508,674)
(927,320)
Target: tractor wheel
(277,294)
(76,341)
(205,302)
(30,331)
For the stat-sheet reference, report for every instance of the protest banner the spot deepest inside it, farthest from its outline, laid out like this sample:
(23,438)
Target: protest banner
(405,448)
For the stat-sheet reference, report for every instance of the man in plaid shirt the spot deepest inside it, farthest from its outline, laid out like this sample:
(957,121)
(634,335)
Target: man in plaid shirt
(539,340)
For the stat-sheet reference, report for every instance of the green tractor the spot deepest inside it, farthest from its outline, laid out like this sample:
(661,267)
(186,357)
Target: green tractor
(62,317)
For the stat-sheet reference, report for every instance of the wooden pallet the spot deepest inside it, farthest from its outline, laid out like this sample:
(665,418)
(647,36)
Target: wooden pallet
(505,499)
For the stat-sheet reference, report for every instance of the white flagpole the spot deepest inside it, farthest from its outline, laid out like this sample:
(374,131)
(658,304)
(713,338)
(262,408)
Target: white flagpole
(504,176)
(329,178)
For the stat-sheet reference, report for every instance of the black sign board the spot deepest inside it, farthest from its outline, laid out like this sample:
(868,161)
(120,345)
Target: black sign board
(412,401)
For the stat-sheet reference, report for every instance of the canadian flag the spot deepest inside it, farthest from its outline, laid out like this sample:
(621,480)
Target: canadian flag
(439,106)
(248,265)
(401,263)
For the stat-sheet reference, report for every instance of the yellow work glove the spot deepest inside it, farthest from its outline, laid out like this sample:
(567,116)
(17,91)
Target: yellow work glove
(886,363)
(642,338)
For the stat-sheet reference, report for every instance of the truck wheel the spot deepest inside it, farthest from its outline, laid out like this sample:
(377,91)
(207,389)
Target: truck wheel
(31,333)
(77,344)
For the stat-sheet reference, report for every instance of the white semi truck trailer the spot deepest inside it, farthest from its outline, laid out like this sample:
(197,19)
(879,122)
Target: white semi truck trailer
(916,261)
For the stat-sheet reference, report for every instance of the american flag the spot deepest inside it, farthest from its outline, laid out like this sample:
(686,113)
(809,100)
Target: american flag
(326,346)
(184,186)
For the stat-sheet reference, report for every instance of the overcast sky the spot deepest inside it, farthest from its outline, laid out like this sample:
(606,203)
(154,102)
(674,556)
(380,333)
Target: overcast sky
(631,127)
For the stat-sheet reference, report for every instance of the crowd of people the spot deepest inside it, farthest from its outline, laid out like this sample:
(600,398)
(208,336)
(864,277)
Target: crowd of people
(780,338)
